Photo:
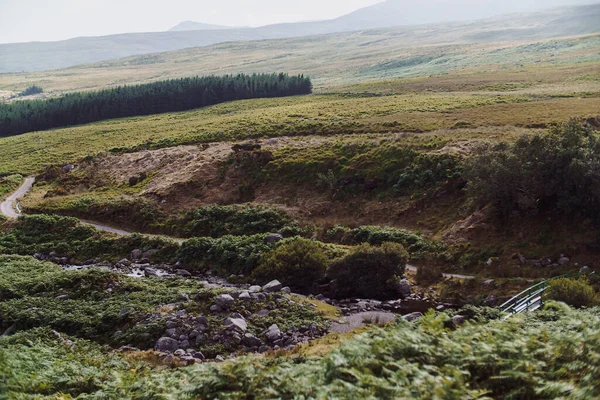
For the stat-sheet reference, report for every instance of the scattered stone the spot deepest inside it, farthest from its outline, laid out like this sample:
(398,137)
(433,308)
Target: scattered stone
(263,313)
(224,301)
(254,289)
(184,298)
(62,297)
(68,168)
(459,320)
(563,260)
(403,288)
(584,270)
(219,358)
(273,286)
(215,308)
(251,341)
(136,254)
(546,262)
(286,290)
(273,333)
(273,238)
(490,301)
(245,296)
(166,345)
(412,316)
(125,262)
(148,272)
(237,323)
(488,282)
(183,272)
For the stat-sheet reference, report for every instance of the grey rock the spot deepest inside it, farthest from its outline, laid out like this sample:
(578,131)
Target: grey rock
(251,341)
(263,349)
(224,301)
(546,262)
(254,289)
(488,282)
(136,254)
(171,324)
(459,320)
(490,301)
(273,333)
(584,270)
(202,320)
(148,272)
(263,313)
(215,308)
(184,343)
(62,297)
(183,272)
(125,262)
(68,168)
(563,260)
(403,288)
(179,352)
(237,323)
(184,297)
(166,345)
(219,358)
(194,334)
(412,316)
(286,290)
(273,238)
(172,332)
(126,310)
(245,296)
(273,286)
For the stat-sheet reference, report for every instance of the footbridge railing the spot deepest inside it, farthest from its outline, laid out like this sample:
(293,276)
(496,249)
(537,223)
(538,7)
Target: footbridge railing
(531,299)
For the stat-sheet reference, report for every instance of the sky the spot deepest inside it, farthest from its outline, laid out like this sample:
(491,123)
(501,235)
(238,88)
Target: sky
(49,20)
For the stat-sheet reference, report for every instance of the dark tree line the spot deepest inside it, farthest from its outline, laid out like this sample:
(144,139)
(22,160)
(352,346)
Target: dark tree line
(153,98)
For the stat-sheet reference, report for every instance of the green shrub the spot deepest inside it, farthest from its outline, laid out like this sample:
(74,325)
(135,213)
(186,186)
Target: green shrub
(226,255)
(297,263)
(217,221)
(556,172)
(68,238)
(370,271)
(574,292)
(417,245)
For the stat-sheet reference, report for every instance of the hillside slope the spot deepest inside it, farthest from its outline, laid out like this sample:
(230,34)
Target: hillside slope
(38,56)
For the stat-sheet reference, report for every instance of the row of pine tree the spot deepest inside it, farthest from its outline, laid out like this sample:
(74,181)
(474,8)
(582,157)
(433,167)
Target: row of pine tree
(153,98)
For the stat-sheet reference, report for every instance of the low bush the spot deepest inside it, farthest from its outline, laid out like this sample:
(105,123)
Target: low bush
(574,292)
(417,245)
(228,255)
(69,238)
(370,271)
(217,221)
(297,263)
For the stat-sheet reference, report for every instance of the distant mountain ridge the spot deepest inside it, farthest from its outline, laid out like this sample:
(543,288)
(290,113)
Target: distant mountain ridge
(37,56)
(198,26)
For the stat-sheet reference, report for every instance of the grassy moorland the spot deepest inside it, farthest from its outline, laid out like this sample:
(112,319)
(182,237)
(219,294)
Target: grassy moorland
(473,158)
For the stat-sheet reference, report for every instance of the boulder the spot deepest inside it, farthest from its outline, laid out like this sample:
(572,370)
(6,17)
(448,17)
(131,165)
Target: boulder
(273,238)
(183,272)
(136,254)
(286,290)
(563,260)
(273,333)
(251,341)
(412,316)
(459,320)
(225,301)
(245,296)
(403,288)
(166,345)
(584,270)
(239,324)
(254,289)
(273,286)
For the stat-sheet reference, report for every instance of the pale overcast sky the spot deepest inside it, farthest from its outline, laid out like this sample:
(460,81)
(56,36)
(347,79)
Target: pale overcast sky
(46,20)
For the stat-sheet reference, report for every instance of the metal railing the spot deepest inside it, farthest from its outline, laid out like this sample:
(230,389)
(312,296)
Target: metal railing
(531,299)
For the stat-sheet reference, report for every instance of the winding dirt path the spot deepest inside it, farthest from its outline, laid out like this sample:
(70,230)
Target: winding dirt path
(9,208)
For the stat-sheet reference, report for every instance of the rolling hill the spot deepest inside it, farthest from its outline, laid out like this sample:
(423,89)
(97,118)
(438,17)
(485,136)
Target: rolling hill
(37,56)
